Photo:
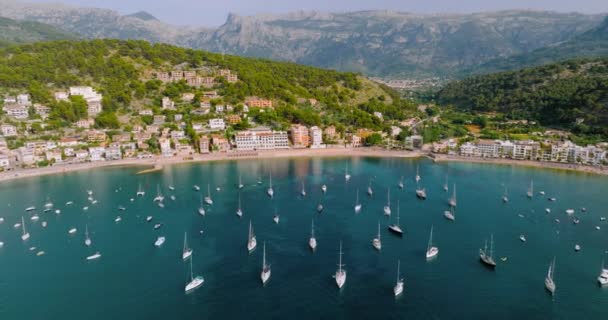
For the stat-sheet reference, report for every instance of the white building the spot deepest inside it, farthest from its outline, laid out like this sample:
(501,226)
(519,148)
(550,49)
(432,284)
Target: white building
(165,147)
(16,111)
(26,156)
(96,153)
(8,130)
(24,100)
(54,155)
(378,115)
(316,137)
(217,124)
(261,139)
(178,134)
(5,162)
(113,153)
(81,155)
(167,103)
(92,98)
(61,96)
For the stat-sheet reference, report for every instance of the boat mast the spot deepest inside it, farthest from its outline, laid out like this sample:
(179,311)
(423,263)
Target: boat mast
(264,257)
(378,230)
(398,269)
(23,225)
(430,240)
(312,229)
(397,212)
(388,203)
(340,258)
(492,246)
(185,241)
(191,275)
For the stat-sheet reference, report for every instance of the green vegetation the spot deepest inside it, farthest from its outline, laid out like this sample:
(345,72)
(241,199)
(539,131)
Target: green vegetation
(117,68)
(571,95)
(17,32)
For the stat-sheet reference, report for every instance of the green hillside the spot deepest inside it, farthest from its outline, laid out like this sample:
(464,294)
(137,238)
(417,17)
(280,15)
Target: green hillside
(561,94)
(593,43)
(18,32)
(118,69)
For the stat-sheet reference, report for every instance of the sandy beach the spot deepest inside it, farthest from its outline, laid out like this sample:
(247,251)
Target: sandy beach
(157,163)
(525,163)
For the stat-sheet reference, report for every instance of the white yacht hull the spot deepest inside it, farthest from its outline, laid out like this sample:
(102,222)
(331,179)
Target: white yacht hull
(340,278)
(195,283)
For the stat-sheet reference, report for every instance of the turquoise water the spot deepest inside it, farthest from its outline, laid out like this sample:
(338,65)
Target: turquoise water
(135,280)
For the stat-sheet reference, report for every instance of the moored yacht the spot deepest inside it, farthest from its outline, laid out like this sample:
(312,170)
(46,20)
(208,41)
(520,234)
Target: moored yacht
(450,214)
(398,288)
(195,282)
(522,238)
(159,197)
(421,193)
(241,185)
(208,199)
(140,191)
(196,187)
(396,228)
(324,188)
(401,185)
(530,192)
(357,203)
(275,218)
(602,279)
(370,191)
(346,174)
(239,211)
(159,241)
(25,235)
(431,251)
(387,207)
(549,283)
(186,251)
(251,241)
(488,257)
(201,208)
(94,256)
(312,242)
(270,191)
(87,239)
(505,196)
(266,271)
(452,200)
(417,178)
(340,274)
(303,190)
(377,242)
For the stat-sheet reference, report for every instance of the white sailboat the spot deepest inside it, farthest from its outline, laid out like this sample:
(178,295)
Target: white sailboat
(505,196)
(251,241)
(357,204)
(241,185)
(159,197)
(201,208)
(265,274)
(340,275)
(239,211)
(396,228)
(401,184)
(398,288)
(208,199)
(346,174)
(324,188)
(270,191)
(320,206)
(196,187)
(549,283)
(186,251)
(370,191)
(275,218)
(452,200)
(87,239)
(530,192)
(195,282)
(602,279)
(140,191)
(431,251)
(387,207)
(488,257)
(377,242)
(450,214)
(303,190)
(417,178)
(421,193)
(25,235)
(312,242)
(445,184)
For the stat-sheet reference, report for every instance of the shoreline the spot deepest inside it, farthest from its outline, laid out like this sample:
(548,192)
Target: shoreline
(523,163)
(156,164)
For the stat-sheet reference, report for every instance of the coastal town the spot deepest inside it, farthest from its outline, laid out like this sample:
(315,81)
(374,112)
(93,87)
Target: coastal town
(213,127)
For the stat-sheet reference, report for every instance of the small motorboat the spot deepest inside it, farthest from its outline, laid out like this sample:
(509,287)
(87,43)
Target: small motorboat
(547,210)
(148,218)
(72,231)
(118,219)
(597,227)
(570,211)
(522,238)
(577,248)
(157,226)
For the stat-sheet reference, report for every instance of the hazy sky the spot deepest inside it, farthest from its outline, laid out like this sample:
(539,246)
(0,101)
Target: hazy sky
(213,12)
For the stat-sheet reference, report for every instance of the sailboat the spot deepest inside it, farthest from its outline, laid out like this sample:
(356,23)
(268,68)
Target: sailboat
(421,193)
(346,174)
(377,242)
(549,283)
(396,228)
(530,192)
(270,191)
(275,218)
(25,235)
(195,282)
(251,241)
(417,178)
(159,197)
(400,184)
(94,256)
(431,251)
(312,242)
(324,188)
(303,190)
(445,184)
(186,252)
(201,208)
(140,191)
(239,211)
(357,204)
(208,199)
(265,274)
(485,256)
(505,196)
(450,214)
(196,187)
(602,279)
(241,185)
(452,200)
(398,288)
(320,205)
(87,239)
(387,207)
(370,191)
(340,275)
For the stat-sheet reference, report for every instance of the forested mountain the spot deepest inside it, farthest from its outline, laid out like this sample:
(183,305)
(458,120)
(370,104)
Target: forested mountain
(123,72)
(592,43)
(18,32)
(571,94)
(382,43)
